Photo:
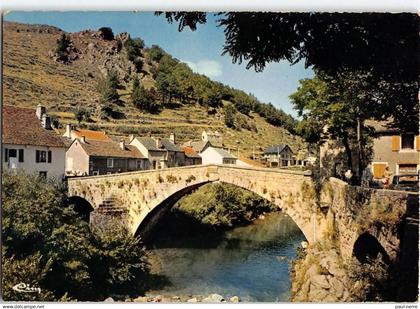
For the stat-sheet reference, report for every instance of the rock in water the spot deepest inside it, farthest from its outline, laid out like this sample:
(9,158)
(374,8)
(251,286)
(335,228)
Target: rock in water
(213,298)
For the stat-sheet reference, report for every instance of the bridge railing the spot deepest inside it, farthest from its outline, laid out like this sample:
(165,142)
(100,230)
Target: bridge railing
(194,167)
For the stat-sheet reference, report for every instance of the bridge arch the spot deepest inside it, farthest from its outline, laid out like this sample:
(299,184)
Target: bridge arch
(81,205)
(368,247)
(145,226)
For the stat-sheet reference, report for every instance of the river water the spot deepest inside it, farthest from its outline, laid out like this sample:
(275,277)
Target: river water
(251,262)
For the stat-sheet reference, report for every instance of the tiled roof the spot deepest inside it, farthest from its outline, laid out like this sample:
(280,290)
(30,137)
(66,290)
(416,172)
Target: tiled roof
(224,153)
(190,152)
(198,146)
(276,148)
(110,149)
(149,143)
(22,127)
(170,146)
(92,135)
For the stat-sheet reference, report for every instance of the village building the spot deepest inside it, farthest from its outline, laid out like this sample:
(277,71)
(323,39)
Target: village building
(72,133)
(160,152)
(400,152)
(212,155)
(191,156)
(279,156)
(208,139)
(29,143)
(95,157)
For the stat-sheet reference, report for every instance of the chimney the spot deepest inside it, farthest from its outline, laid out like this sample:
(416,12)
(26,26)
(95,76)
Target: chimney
(40,110)
(172,137)
(46,122)
(68,130)
(122,144)
(158,142)
(83,139)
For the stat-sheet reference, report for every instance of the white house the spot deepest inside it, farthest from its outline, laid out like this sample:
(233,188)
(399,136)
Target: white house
(30,144)
(212,155)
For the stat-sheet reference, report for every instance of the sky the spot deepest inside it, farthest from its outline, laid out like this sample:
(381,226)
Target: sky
(200,49)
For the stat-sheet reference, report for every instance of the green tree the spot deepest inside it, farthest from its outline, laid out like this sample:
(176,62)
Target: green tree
(46,244)
(230,116)
(108,90)
(156,53)
(113,79)
(62,44)
(143,99)
(134,54)
(82,113)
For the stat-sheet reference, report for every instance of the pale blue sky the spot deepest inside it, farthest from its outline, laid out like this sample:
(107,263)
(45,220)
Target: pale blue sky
(201,49)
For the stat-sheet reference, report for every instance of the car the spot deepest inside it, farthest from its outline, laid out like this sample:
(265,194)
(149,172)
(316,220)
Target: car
(405,182)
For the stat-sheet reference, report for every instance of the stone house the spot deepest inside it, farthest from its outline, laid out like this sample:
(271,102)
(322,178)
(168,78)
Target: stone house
(212,155)
(30,144)
(400,152)
(94,157)
(160,152)
(191,156)
(279,156)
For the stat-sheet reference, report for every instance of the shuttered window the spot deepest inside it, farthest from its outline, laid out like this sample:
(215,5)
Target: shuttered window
(21,155)
(378,170)
(395,143)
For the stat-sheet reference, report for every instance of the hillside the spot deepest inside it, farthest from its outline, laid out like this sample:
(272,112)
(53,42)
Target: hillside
(33,76)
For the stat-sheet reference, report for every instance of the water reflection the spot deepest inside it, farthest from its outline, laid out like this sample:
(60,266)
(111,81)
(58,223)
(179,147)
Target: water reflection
(250,262)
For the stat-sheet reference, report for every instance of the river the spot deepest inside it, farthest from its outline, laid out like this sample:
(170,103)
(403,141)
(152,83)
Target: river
(251,262)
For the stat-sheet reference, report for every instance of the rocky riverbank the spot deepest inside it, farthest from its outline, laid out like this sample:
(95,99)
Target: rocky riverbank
(320,276)
(212,298)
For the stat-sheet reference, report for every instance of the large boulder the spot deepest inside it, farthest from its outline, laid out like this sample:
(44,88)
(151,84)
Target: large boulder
(213,298)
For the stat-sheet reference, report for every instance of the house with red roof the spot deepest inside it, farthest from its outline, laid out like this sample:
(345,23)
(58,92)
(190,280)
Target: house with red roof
(29,144)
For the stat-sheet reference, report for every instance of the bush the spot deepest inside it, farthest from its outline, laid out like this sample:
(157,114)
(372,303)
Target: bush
(106,33)
(62,44)
(81,114)
(47,245)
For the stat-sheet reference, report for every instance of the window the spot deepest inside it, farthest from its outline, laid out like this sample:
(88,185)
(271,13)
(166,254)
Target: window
(41,156)
(110,162)
(12,153)
(20,155)
(49,156)
(139,164)
(43,174)
(407,141)
(6,155)
(95,173)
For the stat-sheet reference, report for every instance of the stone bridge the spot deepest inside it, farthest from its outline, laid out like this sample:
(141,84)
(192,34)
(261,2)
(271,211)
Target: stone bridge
(336,211)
